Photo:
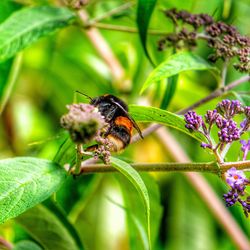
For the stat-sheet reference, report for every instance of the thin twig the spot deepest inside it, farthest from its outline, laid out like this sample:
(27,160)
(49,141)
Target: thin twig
(110,13)
(215,94)
(4,244)
(122,28)
(224,73)
(105,52)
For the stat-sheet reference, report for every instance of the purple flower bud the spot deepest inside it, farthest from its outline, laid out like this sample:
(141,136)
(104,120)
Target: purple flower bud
(205,145)
(243,124)
(247,112)
(245,206)
(193,121)
(229,131)
(211,116)
(245,148)
(206,19)
(230,198)
(229,109)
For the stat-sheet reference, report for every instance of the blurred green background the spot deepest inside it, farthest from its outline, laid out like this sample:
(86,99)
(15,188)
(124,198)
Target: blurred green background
(52,69)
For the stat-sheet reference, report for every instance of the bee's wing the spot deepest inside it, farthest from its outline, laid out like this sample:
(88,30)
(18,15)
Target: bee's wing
(129,117)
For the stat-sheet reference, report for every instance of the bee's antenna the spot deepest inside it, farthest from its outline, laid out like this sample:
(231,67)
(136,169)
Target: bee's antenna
(77,91)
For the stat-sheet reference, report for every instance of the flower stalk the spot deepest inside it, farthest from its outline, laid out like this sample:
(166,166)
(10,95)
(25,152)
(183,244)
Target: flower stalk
(204,167)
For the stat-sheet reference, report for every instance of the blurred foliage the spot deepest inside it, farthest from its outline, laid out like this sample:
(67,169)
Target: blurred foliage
(103,211)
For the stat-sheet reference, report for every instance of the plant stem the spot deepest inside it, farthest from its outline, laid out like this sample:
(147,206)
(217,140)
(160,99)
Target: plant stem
(208,167)
(4,244)
(106,53)
(122,28)
(79,153)
(110,13)
(225,150)
(218,157)
(215,94)
(224,73)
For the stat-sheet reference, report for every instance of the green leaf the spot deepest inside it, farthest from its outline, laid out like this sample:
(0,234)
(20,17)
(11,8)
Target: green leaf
(26,26)
(133,176)
(152,114)
(47,229)
(54,207)
(9,71)
(144,11)
(243,97)
(26,245)
(190,226)
(169,91)
(135,212)
(5,69)
(176,64)
(88,215)
(6,8)
(25,182)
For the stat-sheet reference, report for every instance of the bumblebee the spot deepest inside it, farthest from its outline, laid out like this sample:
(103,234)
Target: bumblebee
(115,113)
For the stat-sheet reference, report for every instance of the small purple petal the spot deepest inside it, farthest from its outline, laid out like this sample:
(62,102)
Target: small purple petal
(245,148)
(205,145)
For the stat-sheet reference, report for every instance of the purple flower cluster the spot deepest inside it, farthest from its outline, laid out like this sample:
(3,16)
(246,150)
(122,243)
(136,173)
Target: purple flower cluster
(237,180)
(229,109)
(224,39)
(211,117)
(103,149)
(83,122)
(222,118)
(193,121)
(228,131)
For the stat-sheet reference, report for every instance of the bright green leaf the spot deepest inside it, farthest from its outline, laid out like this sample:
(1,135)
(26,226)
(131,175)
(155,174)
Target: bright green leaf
(135,212)
(6,8)
(152,114)
(9,71)
(190,226)
(59,211)
(144,11)
(5,68)
(88,215)
(25,182)
(169,91)
(26,26)
(26,245)
(46,229)
(176,64)
(243,97)
(133,176)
